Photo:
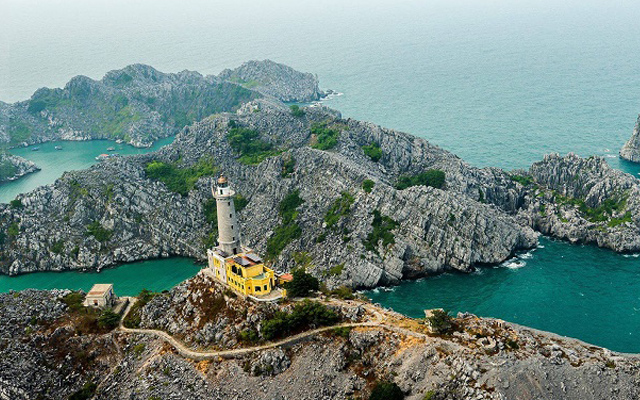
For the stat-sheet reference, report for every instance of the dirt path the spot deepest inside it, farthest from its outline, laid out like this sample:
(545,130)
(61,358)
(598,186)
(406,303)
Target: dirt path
(186,352)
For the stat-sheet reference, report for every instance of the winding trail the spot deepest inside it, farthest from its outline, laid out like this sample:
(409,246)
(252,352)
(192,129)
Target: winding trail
(186,352)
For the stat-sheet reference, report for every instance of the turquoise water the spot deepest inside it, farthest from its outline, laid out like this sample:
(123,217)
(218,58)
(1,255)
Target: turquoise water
(577,291)
(73,156)
(128,280)
(500,83)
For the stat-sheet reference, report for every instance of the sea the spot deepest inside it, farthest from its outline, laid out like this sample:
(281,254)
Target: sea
(497,82)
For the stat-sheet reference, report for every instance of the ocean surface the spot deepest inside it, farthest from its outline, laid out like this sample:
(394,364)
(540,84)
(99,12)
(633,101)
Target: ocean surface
(498,82)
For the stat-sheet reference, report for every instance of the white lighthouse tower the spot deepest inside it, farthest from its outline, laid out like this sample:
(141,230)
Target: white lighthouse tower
(228,227)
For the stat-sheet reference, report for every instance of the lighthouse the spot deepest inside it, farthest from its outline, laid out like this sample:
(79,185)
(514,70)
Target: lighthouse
(228,227)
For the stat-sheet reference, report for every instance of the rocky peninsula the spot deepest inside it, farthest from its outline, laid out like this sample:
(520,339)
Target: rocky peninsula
(14,167)
(51,347)
(631,150)
(139,104)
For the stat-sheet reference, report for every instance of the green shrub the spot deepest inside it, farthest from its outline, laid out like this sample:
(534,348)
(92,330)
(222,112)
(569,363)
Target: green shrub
(180,180)
(433,177)
(108,320)
(7,169)
(325,138)
(386,391)
(302,284)
(88,391)
(288,166)
(74,301)
(340,208)
(373,151)
(441,322)
(96,230)
(343,292)
(305,315)
(367,185)
(133,318)
(17,203)
(382,231)
(336,270)
(13,229)
(524,180)
(247,142)
(296,111)
(344,332)
(58,247)
(429,395)
(288,230)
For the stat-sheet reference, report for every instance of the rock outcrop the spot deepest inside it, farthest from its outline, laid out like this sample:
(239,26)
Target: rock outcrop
(46,351)
(631,150)
(140,104)
(14,167)
(275,80)
(435,229)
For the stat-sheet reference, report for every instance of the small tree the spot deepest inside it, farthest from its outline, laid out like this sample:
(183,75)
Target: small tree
(386,391)
(296,111)
(108,320)
(440,322)
(302,284)
(367,185)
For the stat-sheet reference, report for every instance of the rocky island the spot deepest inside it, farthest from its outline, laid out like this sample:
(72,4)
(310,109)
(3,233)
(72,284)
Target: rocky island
(354,204)
(631,150)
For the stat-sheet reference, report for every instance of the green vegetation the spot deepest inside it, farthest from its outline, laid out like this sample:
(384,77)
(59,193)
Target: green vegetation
(386,391)
(180,180)
(433,177)
(430,395)
(96,230)
(7,169)
(58,247)
(288,166)
(288,230)
(17,203)
(441,322)
(340,208)
(615,204)
(247,142)
(123,79)
(382,227)
(88,391)
(296,111)
(343,292)
(367,185)
(249,336)
(133,318)
(13,229)
(373,151)
(302,285)
(324,138)
(74,301)
(138,349)
(19,131)
(524,180)
(108,320)
(305,315)
(343,332)
(336,270)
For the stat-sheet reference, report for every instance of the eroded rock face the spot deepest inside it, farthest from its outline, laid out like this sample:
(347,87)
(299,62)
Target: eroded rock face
(42,356)
(631,150)
(14,167)
(437,229)
(140,104)
(275,80)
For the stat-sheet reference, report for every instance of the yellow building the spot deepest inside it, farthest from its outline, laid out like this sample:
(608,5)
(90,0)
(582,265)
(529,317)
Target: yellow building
(232,263)
(243,272)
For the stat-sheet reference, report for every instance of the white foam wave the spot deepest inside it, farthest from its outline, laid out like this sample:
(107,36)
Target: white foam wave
(514,264)
(634,255)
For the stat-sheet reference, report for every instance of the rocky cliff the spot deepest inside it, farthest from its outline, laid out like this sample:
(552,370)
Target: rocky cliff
(428,230)
(54,351)
(139,104)
(13,167)
(631,150)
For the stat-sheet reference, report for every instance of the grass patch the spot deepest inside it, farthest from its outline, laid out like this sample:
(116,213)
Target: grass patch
(323,138)
(382,231)
(247,142)
(340,208)
(373,151)
(522,179)
(180,179)
(433,177)
(288,230)
(100,233)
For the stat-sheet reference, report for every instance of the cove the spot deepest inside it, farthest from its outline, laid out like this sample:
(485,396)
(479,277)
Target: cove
(128,279)
(572,290)
(75,155)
